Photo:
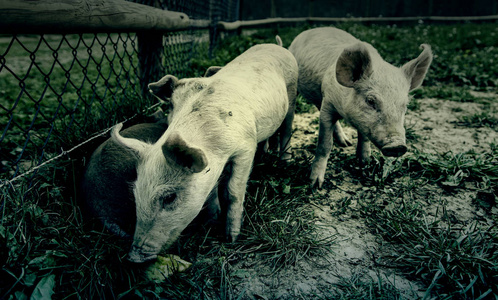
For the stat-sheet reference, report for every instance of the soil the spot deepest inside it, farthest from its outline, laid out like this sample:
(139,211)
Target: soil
(436,122)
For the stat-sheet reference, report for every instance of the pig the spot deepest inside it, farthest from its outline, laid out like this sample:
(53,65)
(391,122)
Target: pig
(106,184)
(215,125)
(348,79)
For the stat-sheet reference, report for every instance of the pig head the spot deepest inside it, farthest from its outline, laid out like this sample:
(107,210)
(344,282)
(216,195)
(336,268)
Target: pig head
(374,95)
(165,205)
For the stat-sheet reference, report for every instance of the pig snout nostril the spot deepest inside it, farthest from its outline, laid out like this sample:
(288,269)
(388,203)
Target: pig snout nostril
(139,255)
(395,150)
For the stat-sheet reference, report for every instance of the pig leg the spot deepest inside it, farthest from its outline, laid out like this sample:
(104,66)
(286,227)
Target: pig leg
(363,150)
(212,206)
(236,189)
(285,131)
(340,137)
(328,119)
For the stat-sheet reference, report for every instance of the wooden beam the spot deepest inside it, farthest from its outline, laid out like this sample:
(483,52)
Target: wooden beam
(72,16)
(271,21)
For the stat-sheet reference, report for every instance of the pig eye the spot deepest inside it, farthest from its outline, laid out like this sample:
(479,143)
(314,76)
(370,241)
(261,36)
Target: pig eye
(372,102)
(167,199)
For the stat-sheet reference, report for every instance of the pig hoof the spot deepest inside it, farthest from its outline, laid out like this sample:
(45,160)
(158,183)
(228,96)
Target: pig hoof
(343,142)
(317,180)
(286,156)
(365,161)
(317,175)
(232,237)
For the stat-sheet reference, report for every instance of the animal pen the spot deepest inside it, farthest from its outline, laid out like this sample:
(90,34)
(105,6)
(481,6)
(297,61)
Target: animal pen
(71,70)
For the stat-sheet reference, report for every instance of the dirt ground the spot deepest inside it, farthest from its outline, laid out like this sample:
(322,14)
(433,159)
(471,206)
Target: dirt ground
(355,250)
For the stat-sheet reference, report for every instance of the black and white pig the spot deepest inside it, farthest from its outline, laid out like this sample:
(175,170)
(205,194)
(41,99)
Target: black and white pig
(106,185)
(216,121)
(347,78)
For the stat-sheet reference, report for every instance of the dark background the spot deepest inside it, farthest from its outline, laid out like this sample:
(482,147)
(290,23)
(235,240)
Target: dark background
(251,10)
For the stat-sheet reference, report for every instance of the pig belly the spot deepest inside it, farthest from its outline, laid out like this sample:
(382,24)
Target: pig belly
(272,109)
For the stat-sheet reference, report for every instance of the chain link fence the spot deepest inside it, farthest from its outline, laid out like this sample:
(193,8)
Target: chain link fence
(58,91)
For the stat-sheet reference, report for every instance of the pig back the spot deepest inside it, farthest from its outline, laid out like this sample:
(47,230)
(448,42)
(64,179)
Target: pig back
(317,50)
(106,185)
(263,77)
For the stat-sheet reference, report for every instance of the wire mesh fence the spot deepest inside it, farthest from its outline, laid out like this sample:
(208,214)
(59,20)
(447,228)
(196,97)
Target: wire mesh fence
(58,90)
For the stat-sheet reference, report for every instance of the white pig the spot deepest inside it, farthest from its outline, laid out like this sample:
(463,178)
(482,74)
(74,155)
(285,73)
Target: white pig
(347,78)
(216,122)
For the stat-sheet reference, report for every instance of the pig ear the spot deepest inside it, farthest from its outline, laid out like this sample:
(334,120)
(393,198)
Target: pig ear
(416,69)
(211,71)
(176,149)
(353,64)
(279,41)
(164,88)
(133,144)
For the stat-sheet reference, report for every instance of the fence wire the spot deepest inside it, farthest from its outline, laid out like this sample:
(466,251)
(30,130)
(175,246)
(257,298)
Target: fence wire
(58,90)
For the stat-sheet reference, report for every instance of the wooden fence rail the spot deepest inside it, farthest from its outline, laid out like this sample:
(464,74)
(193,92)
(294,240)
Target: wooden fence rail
(74,16)
(291,21)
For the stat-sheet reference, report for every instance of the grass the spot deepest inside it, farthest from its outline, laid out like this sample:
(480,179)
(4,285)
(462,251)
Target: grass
(360,286)
(465,54)
(49,245)
(483,119)
(452,260)
(278,223)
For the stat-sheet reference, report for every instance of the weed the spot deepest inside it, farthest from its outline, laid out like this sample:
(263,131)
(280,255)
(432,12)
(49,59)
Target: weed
(414,104)
(452,170)
(361,286)
(302,105)
(447,169)
(411,133)
(452,260)
(483,119)
(278,224)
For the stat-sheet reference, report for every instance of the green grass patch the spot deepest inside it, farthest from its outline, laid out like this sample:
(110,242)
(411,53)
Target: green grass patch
(452,260)
(361,286)
(450,170)
(278,222)
(453,93)
(483,119)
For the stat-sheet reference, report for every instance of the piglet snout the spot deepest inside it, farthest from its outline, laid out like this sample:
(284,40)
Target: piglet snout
(137,255)
(394,149)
